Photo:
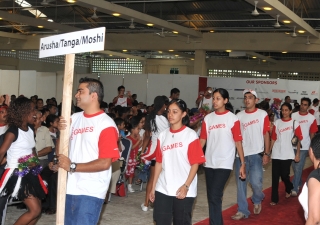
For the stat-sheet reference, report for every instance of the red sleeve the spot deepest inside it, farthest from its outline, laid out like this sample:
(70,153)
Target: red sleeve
(129,101)
(108,144)
(195,153)
(236,132)
(314,127)
(274,134)
(298,133)
(158,152)
(311,111)
(266,125)
(203,134)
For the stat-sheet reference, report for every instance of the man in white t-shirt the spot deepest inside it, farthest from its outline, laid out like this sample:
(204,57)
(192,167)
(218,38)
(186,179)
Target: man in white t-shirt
(255,127)
(122,99)
(204,102)
(308,125)
(174,94)
(92,148)
(314,110)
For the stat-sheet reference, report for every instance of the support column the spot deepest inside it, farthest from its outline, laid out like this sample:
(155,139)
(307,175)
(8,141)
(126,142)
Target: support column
(200,66)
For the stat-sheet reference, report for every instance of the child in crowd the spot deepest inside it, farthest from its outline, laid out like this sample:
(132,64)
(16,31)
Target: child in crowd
(121,126)
(136,140)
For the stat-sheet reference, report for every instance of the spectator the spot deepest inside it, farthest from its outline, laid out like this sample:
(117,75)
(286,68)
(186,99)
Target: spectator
(122,99)
(174,94)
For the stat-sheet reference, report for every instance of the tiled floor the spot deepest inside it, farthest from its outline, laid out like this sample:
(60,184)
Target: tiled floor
(123,211)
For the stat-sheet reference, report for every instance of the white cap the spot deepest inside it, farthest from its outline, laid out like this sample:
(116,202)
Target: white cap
(251,91)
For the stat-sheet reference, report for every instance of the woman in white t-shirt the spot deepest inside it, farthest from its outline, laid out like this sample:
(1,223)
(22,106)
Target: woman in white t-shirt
(155,124)
(221,132)
(282,151)
(178,155)
(310,195)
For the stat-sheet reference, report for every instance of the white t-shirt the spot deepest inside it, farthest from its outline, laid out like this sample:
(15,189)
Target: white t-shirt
(162,124)
(122,102)
(206,104)
(282,133)
(308,124)
(3,129)
(21,147)
(221,130)
(314,110)
(91,137)
(253,126)
(177,151)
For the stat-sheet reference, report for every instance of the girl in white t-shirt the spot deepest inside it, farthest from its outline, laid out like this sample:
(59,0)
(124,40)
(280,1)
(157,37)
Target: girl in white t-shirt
(221,132)
(282,151)
(178,155)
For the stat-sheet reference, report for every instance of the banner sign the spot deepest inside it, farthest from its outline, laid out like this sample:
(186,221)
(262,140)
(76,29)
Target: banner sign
(74,42)
(265,88)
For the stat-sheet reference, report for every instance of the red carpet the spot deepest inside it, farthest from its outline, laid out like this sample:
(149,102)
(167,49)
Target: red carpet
(287,211)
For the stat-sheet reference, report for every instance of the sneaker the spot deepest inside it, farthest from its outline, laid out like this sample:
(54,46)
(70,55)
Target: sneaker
(257,208)
(130,189)
(144,208)
(238,216)
(294,193)
(151,206)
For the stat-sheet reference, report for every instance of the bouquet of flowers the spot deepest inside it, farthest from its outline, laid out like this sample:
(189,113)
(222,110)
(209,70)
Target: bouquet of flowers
(28,163)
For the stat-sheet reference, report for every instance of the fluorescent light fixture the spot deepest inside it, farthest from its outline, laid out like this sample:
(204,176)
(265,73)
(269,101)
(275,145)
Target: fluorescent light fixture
(264,60)
(116,14)
(40,26)
(286,21)
(267,8)
(110,55)
(124,50)
(71,1)
(284,52)
(150,24)
(192,59)
(228,50)
(176,55)
(254,57)
(175,32)
(50,20)
(160,52)
(211,31)
(301,31)
(0,18)
(13,50)
(37,13)
(287,32)
(171,50)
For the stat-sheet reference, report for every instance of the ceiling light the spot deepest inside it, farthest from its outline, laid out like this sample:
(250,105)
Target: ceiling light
(40,26)
(110,55)
(171,50)
(124,50)
(94,16)
(160,52)
(301,31)
(0,18)
(211,31)
(13,50)
(71,1)
(176,55)
(254,57)
(175,32)
(287,32)
(264,60)
(116,14)
(50,20)
(228,50)
(284,52)
(132,24)
(192,59)
(267,8)
(294,34)
(150,24)
(286,21)
(255,11)
(277,25)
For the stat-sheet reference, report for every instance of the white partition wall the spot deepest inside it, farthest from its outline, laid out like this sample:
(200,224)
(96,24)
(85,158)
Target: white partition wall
(46,85)
(110,84)
(137,84)
(59,86)
(9,82)
(28,83)
(158,85)
(188,86)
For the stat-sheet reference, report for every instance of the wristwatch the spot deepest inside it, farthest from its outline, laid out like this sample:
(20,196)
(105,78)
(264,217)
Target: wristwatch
(73,167)
(187,187)
(267,154)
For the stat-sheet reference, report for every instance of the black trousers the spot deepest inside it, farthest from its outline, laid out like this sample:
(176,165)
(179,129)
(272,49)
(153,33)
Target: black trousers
(280,168)
(169,208)
(52,180)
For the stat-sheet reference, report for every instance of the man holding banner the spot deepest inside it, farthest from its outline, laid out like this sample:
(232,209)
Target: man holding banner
(92,148)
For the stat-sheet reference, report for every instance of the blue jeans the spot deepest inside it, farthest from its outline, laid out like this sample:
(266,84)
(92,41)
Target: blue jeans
(297,169)
(82,210)
(216,180)
(254,174)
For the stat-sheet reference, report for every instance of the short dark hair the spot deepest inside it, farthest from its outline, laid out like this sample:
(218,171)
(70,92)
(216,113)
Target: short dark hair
(50,119)
(306,100)
(315,146)
(315,101)
(94,85)
(118,121)
(121,87)
(285,98)
(134,95)
(174,91)
(39,99)
(50,106)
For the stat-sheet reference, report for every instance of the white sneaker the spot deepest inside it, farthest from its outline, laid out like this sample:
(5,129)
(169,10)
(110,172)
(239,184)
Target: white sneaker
(130,189)
(294,193)
(144,208)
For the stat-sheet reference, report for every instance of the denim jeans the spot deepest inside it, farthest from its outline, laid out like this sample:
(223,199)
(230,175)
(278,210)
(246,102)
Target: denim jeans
(254,174)
(297,170)
(216,180)
(82,210)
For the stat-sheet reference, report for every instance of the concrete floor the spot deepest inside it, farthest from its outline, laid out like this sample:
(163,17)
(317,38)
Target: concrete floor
(126,210)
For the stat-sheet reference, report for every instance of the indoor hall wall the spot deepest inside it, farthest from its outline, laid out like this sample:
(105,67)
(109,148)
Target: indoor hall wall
(163,66)
(289,66)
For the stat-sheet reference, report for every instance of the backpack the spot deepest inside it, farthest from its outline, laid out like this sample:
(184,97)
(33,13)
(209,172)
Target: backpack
(120,189)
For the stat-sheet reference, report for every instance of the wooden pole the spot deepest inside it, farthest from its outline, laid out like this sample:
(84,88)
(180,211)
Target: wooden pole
(64,135)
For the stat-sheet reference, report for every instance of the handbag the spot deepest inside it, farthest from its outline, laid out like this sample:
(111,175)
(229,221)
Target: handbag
(295,139)
(120,189)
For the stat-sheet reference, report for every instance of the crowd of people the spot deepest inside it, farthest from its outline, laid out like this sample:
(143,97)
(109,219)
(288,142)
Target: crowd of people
(169,143)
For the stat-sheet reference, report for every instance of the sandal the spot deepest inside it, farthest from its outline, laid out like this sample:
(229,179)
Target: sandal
(288,195)
(273,203)
(138,182)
